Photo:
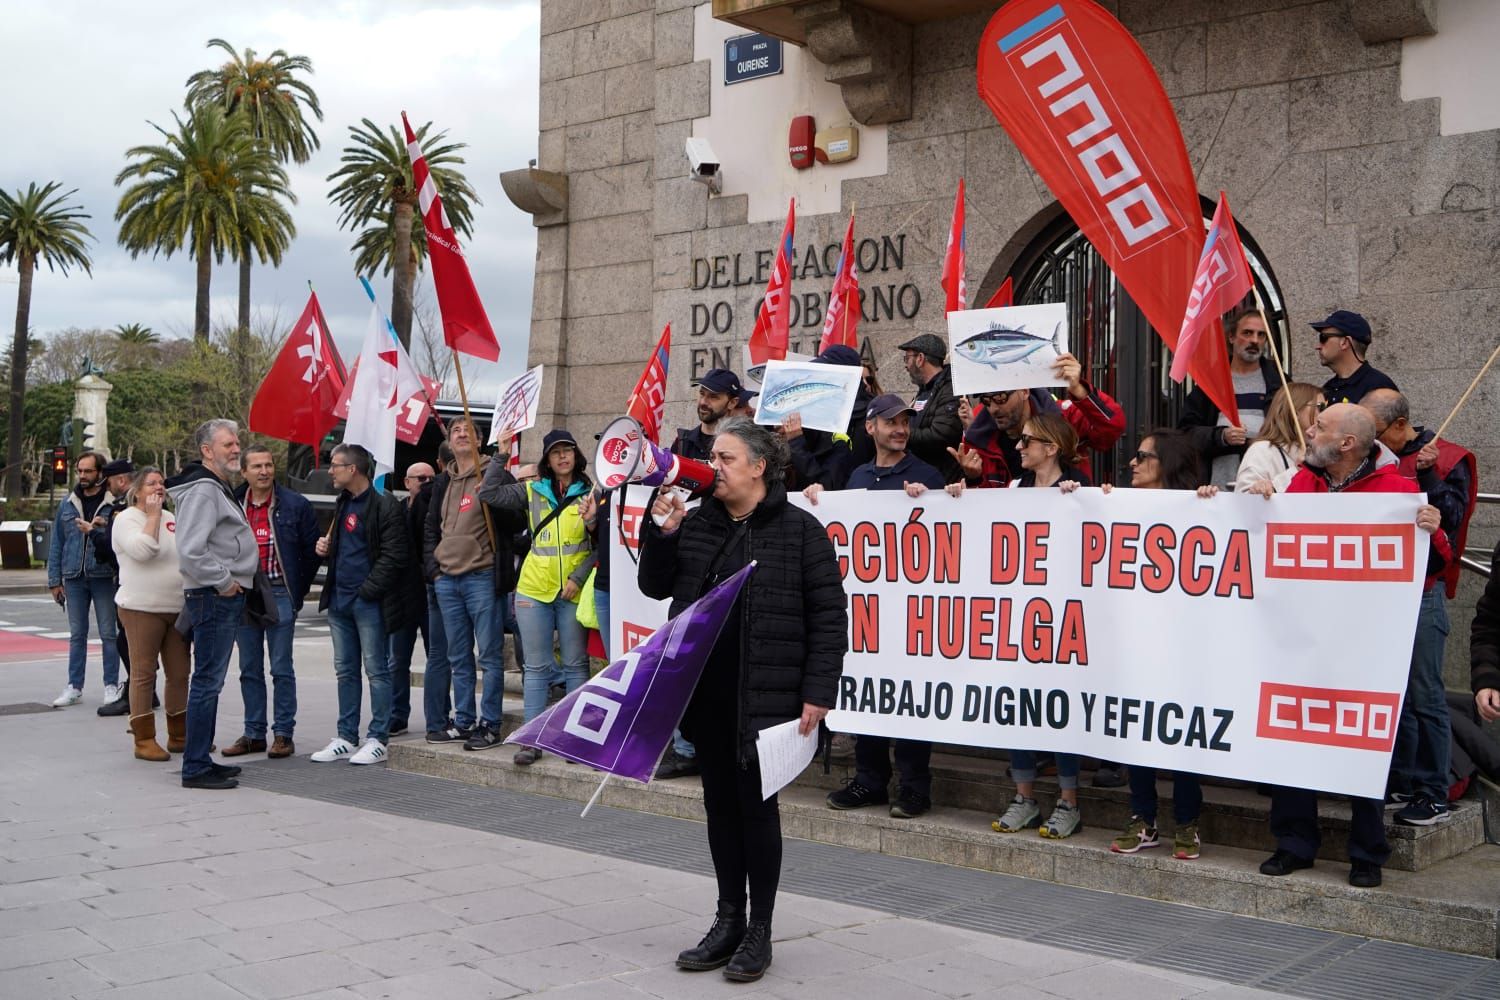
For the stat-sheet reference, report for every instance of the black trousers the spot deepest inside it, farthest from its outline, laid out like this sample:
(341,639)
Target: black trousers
(1294,824)
(872,763)
(744,831)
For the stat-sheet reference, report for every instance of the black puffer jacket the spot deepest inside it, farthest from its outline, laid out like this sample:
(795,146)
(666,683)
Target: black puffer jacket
(937,426)
(795,624)
(1484,633)
(385,534)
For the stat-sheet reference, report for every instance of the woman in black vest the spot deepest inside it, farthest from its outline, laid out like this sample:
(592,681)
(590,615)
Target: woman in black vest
(778,658)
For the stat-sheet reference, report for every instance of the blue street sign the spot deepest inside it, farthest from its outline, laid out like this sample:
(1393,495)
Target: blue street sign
(750,57)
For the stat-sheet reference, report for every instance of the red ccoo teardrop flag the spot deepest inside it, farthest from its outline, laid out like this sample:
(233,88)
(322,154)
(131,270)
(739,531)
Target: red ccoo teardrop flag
(296,399)
(1084,106)
(1222,282)
(466,327)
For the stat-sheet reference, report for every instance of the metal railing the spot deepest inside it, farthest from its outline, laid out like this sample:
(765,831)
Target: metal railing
(1481,563)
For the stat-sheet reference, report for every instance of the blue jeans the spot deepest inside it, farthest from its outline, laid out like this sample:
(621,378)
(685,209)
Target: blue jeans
(216,623)
(278,638)
(538,620)
(1419,764)
(359,634)
(403,644)
(1023,767)
(601,609)
(437,675)
(79,592)
(1187,795)
(471,612)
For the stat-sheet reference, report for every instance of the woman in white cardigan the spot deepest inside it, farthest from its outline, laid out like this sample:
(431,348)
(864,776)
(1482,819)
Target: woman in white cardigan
(1277,451)
(149,601)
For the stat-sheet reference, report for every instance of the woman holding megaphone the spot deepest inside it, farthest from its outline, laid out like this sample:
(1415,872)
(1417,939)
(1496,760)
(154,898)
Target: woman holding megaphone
(560,512)
(777,659)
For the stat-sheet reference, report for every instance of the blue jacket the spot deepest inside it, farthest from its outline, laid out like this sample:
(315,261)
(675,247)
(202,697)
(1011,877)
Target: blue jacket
(71,553)
(294,532)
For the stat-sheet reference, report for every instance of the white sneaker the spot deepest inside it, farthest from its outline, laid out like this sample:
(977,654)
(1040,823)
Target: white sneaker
(373,752)
(70,696)
(113,693)
(337,749)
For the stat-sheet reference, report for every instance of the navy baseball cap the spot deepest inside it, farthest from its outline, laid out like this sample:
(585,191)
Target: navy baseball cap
(840,354)
(1348,324)
(887,406)
(555,437)
(721,380)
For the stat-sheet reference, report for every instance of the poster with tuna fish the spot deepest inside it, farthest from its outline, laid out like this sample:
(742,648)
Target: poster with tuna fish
(823,394)
(993,350)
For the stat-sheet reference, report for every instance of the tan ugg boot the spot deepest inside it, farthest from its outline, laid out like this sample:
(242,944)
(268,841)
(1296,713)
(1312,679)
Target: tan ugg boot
(146,747)
(177,731)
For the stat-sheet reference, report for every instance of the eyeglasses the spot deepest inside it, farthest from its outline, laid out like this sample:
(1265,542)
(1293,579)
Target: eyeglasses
(1322,405)
(1142,456)
(998,398)
(1324,338)
(1028,440)
(341,465)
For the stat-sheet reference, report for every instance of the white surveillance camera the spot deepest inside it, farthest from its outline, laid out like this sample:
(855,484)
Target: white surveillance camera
(704,164)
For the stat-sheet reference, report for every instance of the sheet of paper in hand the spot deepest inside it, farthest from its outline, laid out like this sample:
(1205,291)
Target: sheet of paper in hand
(822,394)
(516,404)
(1012,348)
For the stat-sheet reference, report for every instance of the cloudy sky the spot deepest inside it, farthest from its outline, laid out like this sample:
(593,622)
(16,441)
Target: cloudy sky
(85,79)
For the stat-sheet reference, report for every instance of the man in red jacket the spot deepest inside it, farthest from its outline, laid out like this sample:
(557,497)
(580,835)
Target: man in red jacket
(1449,475)
(1342,459)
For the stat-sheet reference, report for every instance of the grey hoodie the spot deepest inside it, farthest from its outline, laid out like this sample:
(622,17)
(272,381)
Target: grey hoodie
(215,543)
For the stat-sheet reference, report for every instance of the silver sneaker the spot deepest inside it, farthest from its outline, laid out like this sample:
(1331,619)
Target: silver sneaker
(1063,823)
(1023,813)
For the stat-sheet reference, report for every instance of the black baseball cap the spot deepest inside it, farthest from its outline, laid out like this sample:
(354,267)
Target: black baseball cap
(118,467)
(1348,324)
(721,380)
(887,406)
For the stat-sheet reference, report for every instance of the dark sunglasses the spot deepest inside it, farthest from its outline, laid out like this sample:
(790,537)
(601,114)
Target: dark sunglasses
(1324,338)
(998,398)
(1027,439)
(1141,456)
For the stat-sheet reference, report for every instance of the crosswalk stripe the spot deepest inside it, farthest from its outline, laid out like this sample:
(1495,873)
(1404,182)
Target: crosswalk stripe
(56,635)
(26,628)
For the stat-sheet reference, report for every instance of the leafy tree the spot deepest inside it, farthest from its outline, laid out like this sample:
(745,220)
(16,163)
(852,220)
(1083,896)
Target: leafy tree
(268,94)
(62,355)
(375,190)
(135,346)
(210,188)
(135,333)
(36,225)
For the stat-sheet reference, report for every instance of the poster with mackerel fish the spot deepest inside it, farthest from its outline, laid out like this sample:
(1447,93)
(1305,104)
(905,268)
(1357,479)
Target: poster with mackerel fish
(993,350)
(822,394)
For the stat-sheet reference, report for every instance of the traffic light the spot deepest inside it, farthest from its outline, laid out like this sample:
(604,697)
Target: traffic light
(85,434)
(59,466)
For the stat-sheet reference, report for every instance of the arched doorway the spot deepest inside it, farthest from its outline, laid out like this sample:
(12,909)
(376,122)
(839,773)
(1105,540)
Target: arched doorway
(1120,352)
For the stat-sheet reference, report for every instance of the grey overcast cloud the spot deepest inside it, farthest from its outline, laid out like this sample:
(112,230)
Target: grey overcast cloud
(85,79)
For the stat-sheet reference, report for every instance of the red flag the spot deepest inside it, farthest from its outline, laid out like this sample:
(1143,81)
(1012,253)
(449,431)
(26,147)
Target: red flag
(649,398)
(1004,296)
(1222,282)
(1080,100)
(954,262)
(841,326)
(414,413)
(768,341)
(466,328)
(295,401)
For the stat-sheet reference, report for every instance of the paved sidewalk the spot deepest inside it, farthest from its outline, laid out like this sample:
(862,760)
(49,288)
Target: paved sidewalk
(116,882)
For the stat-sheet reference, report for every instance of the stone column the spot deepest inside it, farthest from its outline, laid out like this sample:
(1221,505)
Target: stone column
(90,402)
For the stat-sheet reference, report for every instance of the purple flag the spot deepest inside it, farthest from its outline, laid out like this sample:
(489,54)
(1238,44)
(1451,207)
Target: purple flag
(622,719)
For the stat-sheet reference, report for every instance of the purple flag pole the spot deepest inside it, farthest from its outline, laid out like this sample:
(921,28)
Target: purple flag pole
(621,720)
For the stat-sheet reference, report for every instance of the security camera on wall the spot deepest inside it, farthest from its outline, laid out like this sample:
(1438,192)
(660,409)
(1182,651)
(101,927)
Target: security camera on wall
(704,163)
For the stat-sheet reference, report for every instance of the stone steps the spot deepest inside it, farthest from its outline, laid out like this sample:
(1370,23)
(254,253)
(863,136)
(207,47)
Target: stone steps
(1450,905)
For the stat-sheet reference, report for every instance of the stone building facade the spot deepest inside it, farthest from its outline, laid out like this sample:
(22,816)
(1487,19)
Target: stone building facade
(1355,197)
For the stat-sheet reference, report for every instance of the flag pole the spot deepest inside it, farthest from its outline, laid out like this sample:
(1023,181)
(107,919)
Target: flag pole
(595,797)
(463,395)
(844,333)
(1467,392)
(1271,339)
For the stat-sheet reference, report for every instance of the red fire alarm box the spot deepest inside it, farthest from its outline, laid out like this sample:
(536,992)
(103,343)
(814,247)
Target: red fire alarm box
(799,141)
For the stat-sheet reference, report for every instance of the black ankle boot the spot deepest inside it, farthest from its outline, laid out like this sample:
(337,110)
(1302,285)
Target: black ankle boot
(753,956)
(719,944)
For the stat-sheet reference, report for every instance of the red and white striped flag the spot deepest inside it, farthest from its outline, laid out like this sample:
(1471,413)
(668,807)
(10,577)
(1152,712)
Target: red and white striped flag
(954,262)
(466,327)
(841,326)
(769,339)
(513,460)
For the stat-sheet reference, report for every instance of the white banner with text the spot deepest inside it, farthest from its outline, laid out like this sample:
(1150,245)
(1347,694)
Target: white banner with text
(1263,640)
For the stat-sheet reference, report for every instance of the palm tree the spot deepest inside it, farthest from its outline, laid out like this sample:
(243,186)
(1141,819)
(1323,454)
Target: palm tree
(211,189)
(135,333)
(136,346)
(375,189)
(35,226)
(267,92)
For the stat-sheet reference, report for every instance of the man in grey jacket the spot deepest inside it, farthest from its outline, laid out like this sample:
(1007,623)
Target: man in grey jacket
(218,556)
